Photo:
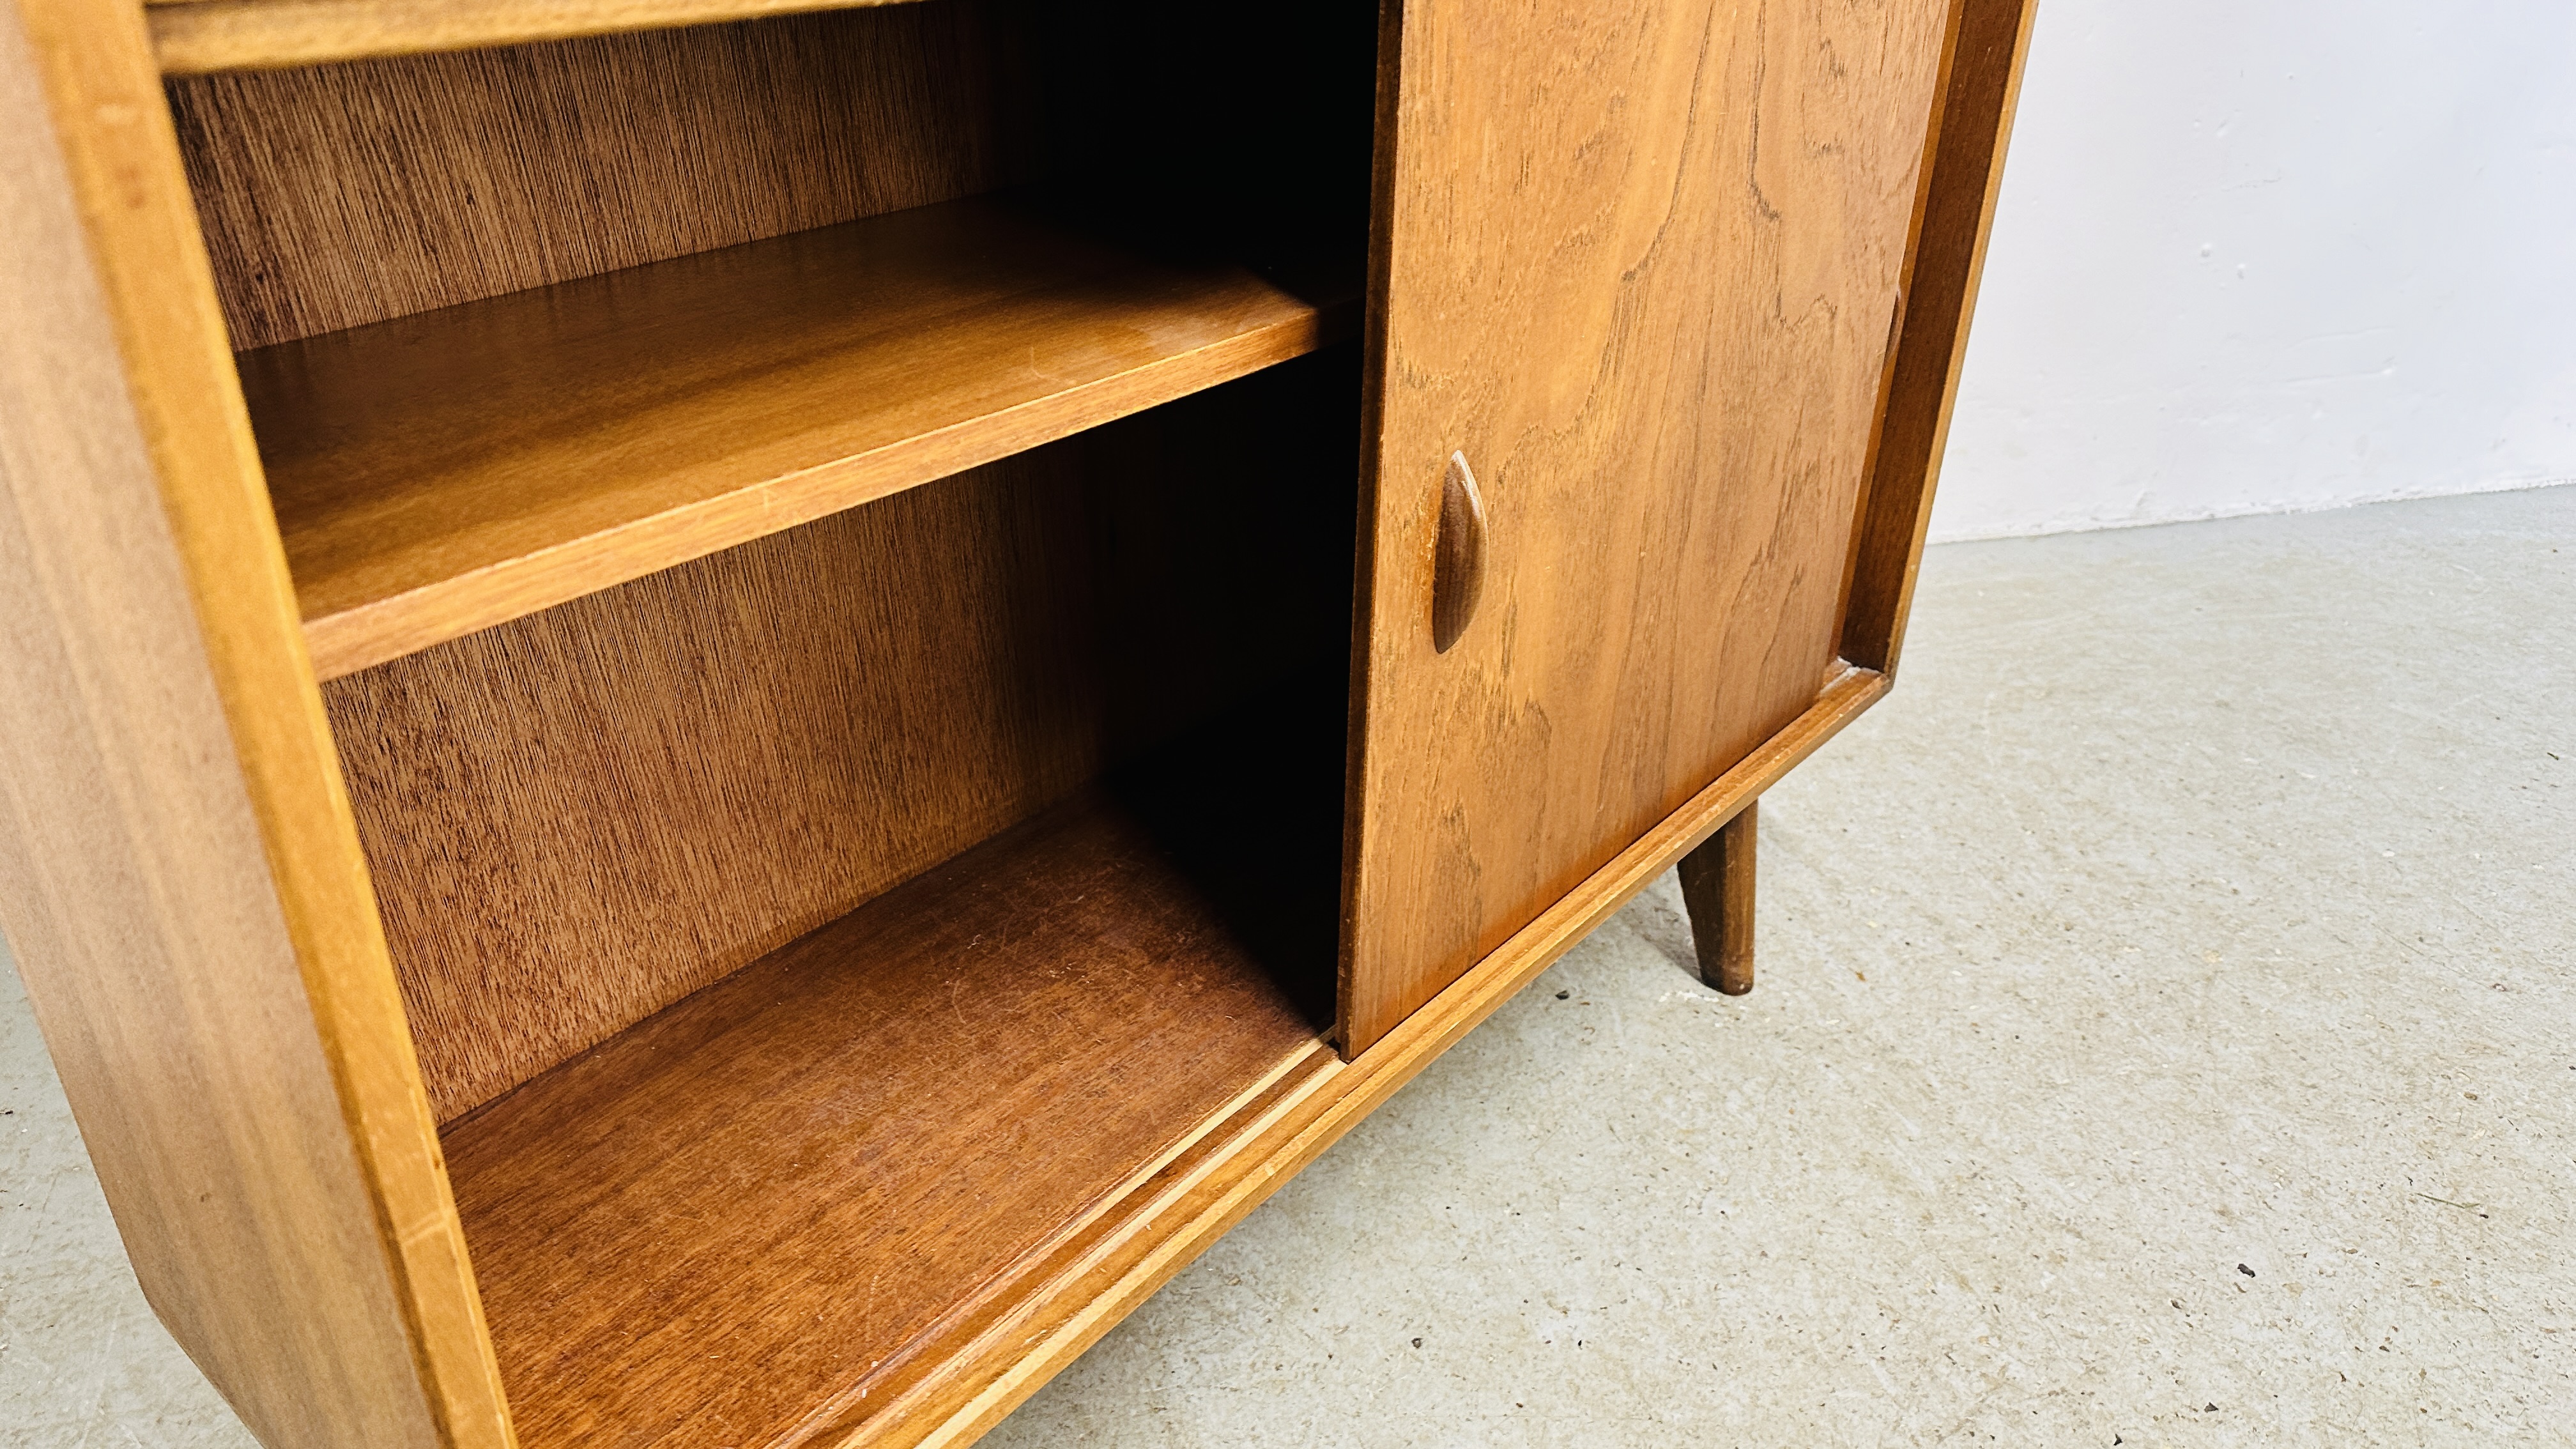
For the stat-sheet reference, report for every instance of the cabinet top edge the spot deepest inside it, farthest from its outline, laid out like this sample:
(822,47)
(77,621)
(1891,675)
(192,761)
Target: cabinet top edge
(201,37)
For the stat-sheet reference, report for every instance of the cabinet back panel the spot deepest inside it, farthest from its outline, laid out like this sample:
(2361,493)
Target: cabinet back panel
(577,818)
(340,195)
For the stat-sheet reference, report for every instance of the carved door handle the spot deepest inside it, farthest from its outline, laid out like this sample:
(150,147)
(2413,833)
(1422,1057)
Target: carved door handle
(1458,557)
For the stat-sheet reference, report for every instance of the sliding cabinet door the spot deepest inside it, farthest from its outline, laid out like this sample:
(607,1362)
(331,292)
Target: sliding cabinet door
(1638,264)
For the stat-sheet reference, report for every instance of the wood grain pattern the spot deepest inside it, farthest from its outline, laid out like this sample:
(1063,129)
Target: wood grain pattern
(195,37)
(181,883)
(1717,883)
(579,817)
(933,1090)
(966,1380)
(1962,175)
(341,195)
(443,473)
(1641,267)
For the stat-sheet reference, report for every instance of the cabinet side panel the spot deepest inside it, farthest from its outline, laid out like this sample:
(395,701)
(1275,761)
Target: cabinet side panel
(1962,174)
(242,1083)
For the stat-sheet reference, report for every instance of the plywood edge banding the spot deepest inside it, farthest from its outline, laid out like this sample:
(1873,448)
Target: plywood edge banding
(202,37)
(1054,1321)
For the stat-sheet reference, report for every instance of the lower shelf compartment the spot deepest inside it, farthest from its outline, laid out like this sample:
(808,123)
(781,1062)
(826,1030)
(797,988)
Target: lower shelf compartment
(736,1221)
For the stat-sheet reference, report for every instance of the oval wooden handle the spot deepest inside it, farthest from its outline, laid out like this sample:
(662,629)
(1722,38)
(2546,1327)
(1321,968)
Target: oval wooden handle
(1458,558)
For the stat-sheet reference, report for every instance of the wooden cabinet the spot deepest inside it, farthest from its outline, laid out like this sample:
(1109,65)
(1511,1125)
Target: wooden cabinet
(719,722)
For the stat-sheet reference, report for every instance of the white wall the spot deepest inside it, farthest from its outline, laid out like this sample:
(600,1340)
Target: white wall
(2258,257)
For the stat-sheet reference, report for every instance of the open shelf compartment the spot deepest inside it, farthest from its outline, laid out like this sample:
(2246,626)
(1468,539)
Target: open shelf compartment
(1037,773)
(518,325)
(747,1216)
(827,544)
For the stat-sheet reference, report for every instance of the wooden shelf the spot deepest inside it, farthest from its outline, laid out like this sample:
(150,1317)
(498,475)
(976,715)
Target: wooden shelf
(445,472)
(199,37)
(779,1199)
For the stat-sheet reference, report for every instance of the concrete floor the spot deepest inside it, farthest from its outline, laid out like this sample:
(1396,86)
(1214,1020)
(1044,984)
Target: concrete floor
(2167,1036)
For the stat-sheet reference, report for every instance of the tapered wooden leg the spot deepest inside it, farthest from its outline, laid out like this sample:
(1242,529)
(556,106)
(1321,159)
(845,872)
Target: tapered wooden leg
(1717,889)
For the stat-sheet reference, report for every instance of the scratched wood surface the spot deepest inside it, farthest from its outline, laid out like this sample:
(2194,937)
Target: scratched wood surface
(1641,270)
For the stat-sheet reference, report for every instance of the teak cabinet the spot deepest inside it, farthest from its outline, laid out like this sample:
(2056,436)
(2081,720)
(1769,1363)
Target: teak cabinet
(719,722)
